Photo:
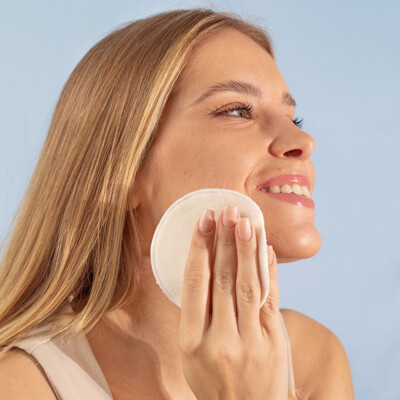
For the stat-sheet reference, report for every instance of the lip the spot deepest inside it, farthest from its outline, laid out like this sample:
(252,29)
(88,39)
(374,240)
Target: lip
(290,179)
(291,198)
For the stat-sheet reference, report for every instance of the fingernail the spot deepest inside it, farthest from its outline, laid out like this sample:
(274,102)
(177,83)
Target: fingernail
(229,216)
(206,221)
(244,229)
(271,255)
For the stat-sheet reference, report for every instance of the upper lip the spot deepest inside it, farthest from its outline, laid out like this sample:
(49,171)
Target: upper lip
(289,179)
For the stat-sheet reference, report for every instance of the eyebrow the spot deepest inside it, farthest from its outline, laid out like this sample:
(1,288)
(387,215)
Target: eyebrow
(240,87)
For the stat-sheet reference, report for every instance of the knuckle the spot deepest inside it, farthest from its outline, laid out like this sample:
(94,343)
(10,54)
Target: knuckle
(189,347)
(195,278)
(223,281)
(199,243)
(271,306)
(223,354)
(248,293)
(227,240)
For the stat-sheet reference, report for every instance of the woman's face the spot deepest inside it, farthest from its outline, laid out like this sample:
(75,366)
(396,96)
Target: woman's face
(203,142)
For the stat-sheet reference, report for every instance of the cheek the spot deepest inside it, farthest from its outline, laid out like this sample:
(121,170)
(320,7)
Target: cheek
(196,159)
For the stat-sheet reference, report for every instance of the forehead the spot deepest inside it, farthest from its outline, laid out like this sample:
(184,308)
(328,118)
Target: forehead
(230,54)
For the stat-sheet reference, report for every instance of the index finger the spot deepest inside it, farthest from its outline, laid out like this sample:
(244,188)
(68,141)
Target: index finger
(195,302)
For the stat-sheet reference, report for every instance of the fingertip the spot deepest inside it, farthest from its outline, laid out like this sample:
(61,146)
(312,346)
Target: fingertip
(271,255)
(206,223)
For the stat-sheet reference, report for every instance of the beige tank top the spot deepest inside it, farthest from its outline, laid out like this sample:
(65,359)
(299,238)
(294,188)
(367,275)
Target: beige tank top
(73,371)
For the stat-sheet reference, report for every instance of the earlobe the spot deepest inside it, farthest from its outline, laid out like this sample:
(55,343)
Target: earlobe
(133,198)
(132,204)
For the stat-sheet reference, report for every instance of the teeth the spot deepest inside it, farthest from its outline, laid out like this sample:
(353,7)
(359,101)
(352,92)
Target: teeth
(286,189)
(305,191)
(274,189)
(295,188)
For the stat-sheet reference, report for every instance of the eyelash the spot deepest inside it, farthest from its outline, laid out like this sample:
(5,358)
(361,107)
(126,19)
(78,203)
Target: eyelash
(249,108)
(298,122)
(242,106)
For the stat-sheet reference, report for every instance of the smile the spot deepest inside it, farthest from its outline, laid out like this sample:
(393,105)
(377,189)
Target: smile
(296,189)
(286,193)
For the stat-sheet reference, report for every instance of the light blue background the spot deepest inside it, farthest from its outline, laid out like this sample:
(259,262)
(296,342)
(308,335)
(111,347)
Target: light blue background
(341,61)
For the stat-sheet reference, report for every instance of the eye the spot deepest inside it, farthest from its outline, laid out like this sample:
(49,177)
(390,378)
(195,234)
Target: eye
(298,122)
(243,110)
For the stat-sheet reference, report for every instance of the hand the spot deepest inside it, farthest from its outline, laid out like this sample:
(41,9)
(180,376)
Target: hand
(239,351)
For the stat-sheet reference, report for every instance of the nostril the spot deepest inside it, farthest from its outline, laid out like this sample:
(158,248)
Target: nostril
(294,153)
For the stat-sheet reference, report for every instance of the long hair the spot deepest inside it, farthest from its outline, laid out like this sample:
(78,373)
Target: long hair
(74,234)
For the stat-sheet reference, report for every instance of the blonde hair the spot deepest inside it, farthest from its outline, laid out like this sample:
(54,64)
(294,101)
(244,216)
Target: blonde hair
(73,234)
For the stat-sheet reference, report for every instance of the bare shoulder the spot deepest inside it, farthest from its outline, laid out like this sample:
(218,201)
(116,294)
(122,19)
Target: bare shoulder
(320,364)
(22,377)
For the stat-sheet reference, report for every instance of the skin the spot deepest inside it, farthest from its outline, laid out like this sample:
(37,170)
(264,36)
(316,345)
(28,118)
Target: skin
(196,149)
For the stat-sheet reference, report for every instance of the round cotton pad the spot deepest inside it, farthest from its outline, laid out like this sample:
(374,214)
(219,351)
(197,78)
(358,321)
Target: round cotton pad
(172,238)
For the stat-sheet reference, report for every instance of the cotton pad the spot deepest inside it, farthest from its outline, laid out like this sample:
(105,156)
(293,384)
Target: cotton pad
(172,238)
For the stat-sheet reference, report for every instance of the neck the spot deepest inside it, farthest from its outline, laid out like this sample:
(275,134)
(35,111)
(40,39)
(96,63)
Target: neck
(141,338)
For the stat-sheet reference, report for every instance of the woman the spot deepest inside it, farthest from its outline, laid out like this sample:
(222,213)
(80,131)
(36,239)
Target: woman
(164,106)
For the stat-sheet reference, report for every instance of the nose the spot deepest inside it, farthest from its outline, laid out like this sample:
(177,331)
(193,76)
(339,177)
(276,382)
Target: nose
(294,142)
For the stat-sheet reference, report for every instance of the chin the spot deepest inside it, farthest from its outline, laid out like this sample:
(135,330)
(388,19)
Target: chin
(300,249)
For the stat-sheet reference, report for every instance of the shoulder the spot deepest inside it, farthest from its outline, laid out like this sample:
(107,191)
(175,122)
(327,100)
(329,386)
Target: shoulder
(320,364)
(22,377)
